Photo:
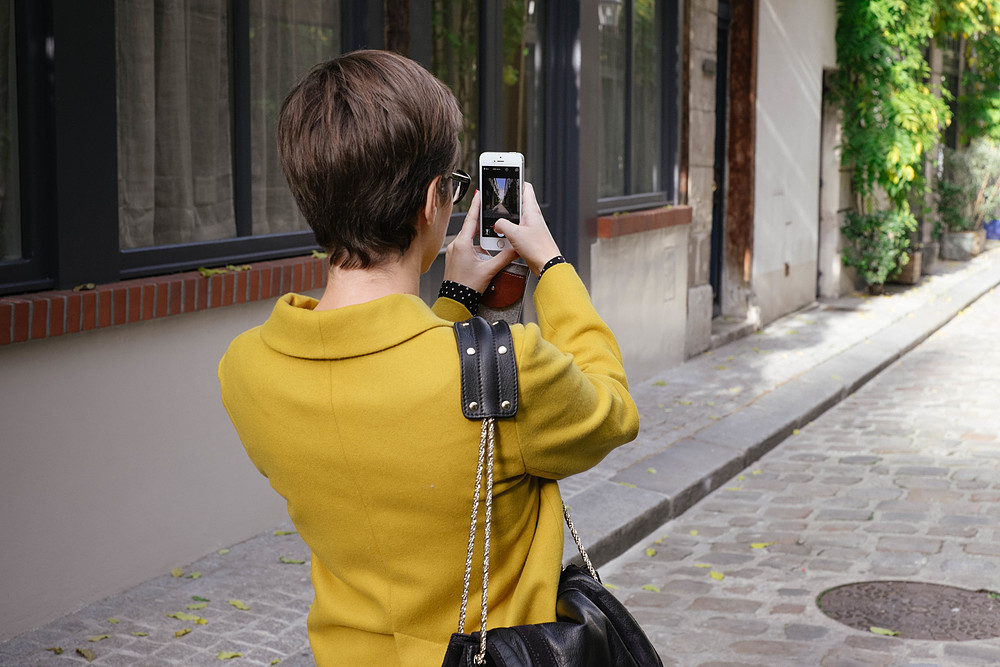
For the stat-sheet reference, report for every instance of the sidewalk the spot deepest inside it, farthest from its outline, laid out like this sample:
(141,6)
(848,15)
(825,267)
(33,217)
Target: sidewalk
(702,423)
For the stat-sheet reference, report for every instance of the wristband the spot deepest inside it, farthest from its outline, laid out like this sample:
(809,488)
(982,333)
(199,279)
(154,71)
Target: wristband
(558,259)
(465,295)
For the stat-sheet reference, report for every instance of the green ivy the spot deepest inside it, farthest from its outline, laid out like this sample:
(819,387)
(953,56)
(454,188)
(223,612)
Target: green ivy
(878,242)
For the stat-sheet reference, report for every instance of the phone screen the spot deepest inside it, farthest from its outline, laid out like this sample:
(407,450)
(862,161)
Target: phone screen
(501,196)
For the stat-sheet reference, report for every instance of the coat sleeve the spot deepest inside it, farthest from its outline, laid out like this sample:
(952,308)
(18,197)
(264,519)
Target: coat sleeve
(450,310)
(575,405)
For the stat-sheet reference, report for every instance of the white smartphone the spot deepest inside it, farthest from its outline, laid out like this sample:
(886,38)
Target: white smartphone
(501,182)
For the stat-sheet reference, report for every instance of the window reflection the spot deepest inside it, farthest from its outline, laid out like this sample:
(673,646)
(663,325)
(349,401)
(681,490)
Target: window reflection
(523,110)
(455,60)
(10,210)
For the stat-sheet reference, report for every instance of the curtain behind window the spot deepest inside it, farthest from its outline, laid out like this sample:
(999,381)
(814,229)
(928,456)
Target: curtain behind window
(175,110)
(287,38)
(175,176)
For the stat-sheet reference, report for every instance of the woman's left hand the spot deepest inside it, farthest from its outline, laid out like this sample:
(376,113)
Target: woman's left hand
(463,262)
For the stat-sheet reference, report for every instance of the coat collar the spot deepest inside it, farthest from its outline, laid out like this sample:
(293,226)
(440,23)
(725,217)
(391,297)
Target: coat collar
(297,330)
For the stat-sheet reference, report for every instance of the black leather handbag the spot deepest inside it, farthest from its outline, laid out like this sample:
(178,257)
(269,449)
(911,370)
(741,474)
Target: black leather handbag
(592,628)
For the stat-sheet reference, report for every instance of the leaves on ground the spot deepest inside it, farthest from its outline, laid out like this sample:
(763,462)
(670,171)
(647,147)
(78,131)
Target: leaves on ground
(693,533)
(239,604)
(279,533)
(177,573)
(194,575)
(627,485)
(89,656)
(181,633)
(223,552)
(756,471)
(651,471)
(228,655)
(197,605)
(883,632)
(97,638)
(198,598)
(702,566)
(183,616)
(795,431)
(139,634)
(650,552)
(734,488)
(651,588)
(276,661)
(55,649)
(760,545)
(208,273)
(718,576)
(291,561)
(611,587)
(660,383)
(238,268)
(114,621)
(684,402)
(741,478)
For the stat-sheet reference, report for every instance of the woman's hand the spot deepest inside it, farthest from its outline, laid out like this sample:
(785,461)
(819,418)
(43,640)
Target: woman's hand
(464,264)
(531,239)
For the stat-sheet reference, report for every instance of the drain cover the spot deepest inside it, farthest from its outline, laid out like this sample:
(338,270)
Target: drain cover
(915,610)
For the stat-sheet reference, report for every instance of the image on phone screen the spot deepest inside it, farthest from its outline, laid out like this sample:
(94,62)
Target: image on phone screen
(501,197)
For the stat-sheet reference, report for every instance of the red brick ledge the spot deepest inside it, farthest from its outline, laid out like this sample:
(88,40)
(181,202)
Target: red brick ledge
(48,314)
(622,224)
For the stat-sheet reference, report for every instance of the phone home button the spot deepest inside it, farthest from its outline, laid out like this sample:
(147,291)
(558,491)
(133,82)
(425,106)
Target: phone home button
(501,243)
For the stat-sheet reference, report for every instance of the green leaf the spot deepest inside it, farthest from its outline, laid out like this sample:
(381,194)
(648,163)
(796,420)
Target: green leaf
(883,631)
(279,533)
(228,655)
(651,588)
(276,661)
(291,561)
(98,638)
(194,575)
(87,654)
(223,552)
(239,604)
(198,598)
(319,255)
(114,621)
(139,634)
(660,383)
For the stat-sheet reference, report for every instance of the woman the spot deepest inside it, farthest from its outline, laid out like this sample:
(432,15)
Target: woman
(350,404)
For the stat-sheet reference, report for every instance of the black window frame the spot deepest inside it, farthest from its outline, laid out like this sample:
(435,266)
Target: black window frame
(67,132)
(668,27)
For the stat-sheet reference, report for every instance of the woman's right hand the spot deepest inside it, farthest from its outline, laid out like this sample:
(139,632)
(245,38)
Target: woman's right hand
(531,239)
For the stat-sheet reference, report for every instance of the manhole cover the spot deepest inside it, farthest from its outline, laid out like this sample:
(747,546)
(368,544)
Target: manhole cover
(915,610)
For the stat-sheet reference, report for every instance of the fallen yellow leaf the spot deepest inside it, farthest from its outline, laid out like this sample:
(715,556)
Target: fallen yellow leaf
(55,649)
(140,634)
(239,604)
(291,561)
(228,655)
(760,545)
(97,638)
(883,631)
(181,633)
(718,576)
(279,533)
(693,533)
(197,605)
(223,552)
(182,616)
(650,552)
(702,565)
(611,587)
(177,573)
(88,655)
(651,588)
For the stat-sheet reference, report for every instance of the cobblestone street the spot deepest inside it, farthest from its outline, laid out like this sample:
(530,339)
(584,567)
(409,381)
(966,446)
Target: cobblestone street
(899,481)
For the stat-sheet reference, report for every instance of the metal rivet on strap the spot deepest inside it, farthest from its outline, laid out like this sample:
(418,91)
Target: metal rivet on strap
(502,349)
(473,406)
(471,351)
(465,324)
(505,405)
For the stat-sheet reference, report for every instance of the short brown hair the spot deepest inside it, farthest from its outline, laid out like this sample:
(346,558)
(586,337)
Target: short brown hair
(360,138)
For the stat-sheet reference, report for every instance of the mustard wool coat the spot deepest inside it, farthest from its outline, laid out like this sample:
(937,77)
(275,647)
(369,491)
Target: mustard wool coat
(354,416)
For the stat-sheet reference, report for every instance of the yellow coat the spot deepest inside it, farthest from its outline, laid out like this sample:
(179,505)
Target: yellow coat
(354,416)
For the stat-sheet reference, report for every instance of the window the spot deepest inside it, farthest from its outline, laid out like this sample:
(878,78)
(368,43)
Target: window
(523,113)
(631,142)
(147,129)
(179,117)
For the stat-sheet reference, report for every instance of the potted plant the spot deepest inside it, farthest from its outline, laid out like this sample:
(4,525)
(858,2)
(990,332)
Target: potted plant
(877,244)
(968,197)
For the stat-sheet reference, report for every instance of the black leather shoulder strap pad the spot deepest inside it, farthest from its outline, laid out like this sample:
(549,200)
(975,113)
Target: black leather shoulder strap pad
(489,372)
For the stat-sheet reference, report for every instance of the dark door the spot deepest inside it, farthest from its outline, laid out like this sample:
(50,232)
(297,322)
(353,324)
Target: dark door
(719,185)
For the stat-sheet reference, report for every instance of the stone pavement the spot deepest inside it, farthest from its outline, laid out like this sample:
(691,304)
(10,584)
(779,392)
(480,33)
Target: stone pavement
(899,481)
(702,423)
